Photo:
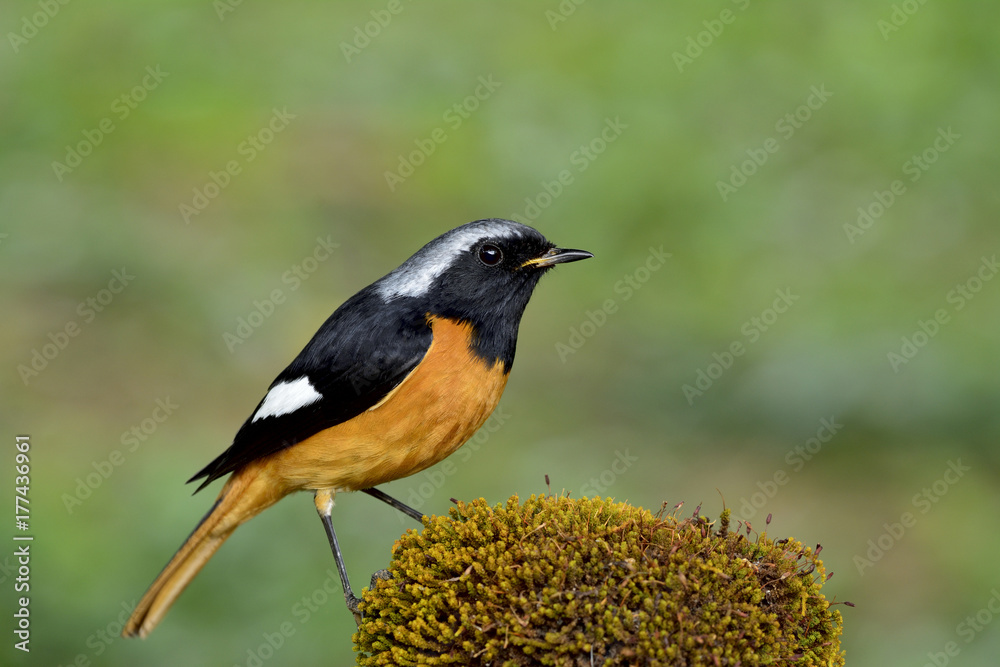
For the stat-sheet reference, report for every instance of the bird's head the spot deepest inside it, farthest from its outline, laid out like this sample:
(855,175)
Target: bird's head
(480,271)
(483,274)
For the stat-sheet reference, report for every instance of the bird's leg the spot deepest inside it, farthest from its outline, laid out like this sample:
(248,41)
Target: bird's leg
(324,506)
(389,500)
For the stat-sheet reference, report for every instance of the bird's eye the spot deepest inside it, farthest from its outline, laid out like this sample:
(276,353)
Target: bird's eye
(490,255)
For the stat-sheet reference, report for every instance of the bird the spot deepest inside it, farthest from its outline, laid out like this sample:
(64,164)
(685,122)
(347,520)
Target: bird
(395,380)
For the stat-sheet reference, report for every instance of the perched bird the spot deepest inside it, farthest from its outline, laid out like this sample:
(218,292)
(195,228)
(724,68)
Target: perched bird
(398,378)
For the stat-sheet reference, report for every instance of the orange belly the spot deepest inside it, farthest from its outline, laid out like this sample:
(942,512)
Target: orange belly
(429,415)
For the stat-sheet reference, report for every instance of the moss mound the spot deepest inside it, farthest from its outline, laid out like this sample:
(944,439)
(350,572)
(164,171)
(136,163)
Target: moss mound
(557,581)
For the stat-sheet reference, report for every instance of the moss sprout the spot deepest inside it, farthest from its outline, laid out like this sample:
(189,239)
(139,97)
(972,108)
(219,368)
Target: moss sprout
(555,581)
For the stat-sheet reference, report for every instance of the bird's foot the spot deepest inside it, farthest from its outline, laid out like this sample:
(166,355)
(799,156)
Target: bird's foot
(381,575)
(354,602)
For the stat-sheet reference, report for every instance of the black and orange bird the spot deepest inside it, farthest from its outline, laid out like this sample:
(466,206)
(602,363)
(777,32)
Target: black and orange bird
(398,378)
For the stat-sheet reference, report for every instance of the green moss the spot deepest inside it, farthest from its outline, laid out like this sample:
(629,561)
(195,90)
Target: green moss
(557,581)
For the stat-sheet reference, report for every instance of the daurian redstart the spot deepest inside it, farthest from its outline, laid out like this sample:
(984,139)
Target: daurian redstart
(398,378)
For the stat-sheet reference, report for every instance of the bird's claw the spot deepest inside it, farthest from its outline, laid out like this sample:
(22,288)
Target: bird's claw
(380,575)
(354,602)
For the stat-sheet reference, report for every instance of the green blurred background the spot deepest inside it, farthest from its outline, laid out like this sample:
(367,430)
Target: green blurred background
(612,416)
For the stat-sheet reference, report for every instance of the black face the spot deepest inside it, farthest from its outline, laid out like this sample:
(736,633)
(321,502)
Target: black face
(492,280)
(490,284)
(482,273)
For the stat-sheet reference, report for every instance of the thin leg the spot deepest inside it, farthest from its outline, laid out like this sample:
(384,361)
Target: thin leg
(389,500)
(324,506)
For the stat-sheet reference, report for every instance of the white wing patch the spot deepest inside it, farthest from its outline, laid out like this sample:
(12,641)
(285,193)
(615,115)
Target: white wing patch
(415,276)
(287,397)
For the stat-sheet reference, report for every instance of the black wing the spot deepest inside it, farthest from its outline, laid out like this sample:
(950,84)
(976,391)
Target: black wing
(357,357)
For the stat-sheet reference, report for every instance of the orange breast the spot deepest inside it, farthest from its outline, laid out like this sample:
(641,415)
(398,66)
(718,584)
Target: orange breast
(429,415)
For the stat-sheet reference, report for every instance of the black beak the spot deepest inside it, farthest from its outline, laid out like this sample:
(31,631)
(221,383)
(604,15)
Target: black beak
(558,256)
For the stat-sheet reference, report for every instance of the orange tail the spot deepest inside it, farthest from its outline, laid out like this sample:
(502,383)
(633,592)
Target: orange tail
(245,495)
